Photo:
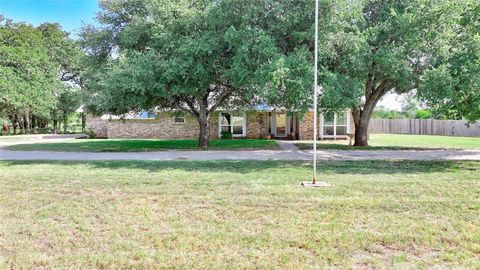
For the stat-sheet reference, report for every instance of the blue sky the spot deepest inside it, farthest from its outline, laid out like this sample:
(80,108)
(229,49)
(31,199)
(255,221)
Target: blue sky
(69,13)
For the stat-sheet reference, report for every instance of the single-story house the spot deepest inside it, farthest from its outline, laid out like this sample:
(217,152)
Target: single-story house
(241,124)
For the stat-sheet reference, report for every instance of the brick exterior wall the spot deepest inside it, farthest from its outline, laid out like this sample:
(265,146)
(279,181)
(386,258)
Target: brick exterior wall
(97,125)
(256,124)
(163,127)
(305,126)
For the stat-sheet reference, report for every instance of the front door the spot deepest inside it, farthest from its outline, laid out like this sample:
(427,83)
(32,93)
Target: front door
(280,125)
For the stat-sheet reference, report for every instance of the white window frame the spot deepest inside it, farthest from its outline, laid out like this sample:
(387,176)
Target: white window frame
(244,125)
(334,125)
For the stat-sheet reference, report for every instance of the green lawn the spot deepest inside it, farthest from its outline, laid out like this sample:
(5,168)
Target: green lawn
(110,145)
(401,142)
(239,214)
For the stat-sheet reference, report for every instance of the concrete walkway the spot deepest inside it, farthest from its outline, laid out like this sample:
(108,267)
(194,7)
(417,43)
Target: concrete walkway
(287,145)
(247,155)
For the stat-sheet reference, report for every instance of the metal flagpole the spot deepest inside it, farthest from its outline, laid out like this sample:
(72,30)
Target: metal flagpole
(314,182)
(315,96)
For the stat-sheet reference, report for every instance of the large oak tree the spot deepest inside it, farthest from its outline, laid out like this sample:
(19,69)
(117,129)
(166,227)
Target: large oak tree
(400,46)
(197,56)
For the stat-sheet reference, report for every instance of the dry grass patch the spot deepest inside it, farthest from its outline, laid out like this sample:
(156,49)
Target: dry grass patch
(239,214)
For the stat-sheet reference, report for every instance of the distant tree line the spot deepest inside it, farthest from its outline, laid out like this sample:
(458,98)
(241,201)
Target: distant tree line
(412,108)
(38,75)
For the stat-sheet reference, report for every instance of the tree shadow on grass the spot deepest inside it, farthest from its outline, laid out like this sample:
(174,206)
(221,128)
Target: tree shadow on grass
(249,166)
(143,145)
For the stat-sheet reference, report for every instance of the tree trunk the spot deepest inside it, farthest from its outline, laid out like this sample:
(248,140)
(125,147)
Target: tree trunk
(204,135)
(361,134)
(26,123)
(55,126)
(21,123)
(84,120)
(361,119)
(65,120)
(14,124)
(33,121)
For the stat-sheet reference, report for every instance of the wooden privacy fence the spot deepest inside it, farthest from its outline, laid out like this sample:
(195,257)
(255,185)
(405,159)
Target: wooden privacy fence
(425,127)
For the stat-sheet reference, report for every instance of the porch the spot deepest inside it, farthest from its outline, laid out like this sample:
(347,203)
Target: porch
(284,125)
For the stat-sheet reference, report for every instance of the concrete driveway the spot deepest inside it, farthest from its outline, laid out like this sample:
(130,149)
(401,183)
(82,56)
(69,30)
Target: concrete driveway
(246,155)
(289,152)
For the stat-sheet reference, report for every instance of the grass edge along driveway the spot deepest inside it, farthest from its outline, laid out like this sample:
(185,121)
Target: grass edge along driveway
(144,145)
(239,214)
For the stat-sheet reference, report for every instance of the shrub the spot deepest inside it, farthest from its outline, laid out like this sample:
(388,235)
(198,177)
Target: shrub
(42,131)
(226,135)
(90,133)
(423,114)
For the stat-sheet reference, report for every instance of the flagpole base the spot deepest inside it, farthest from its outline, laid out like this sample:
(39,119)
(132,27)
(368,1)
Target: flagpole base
(316,184)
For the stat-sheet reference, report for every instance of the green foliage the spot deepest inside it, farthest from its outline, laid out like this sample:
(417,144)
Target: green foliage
(181,55)
(423,114)
(91,133)
(34,61)
(28,74)
(226,135)
(375,52)
(195,56)
(452,86)
(382,113)
(373,47)
(68,101)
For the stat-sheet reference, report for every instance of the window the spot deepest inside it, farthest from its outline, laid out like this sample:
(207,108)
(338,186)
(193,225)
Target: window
(142,115)
(335,124)
(341,124)
(233,123)
(179,119)
(237,124)
(225,122)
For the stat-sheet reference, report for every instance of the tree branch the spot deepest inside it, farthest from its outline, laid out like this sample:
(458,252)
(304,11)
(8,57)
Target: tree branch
(221,98)
(192,107)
